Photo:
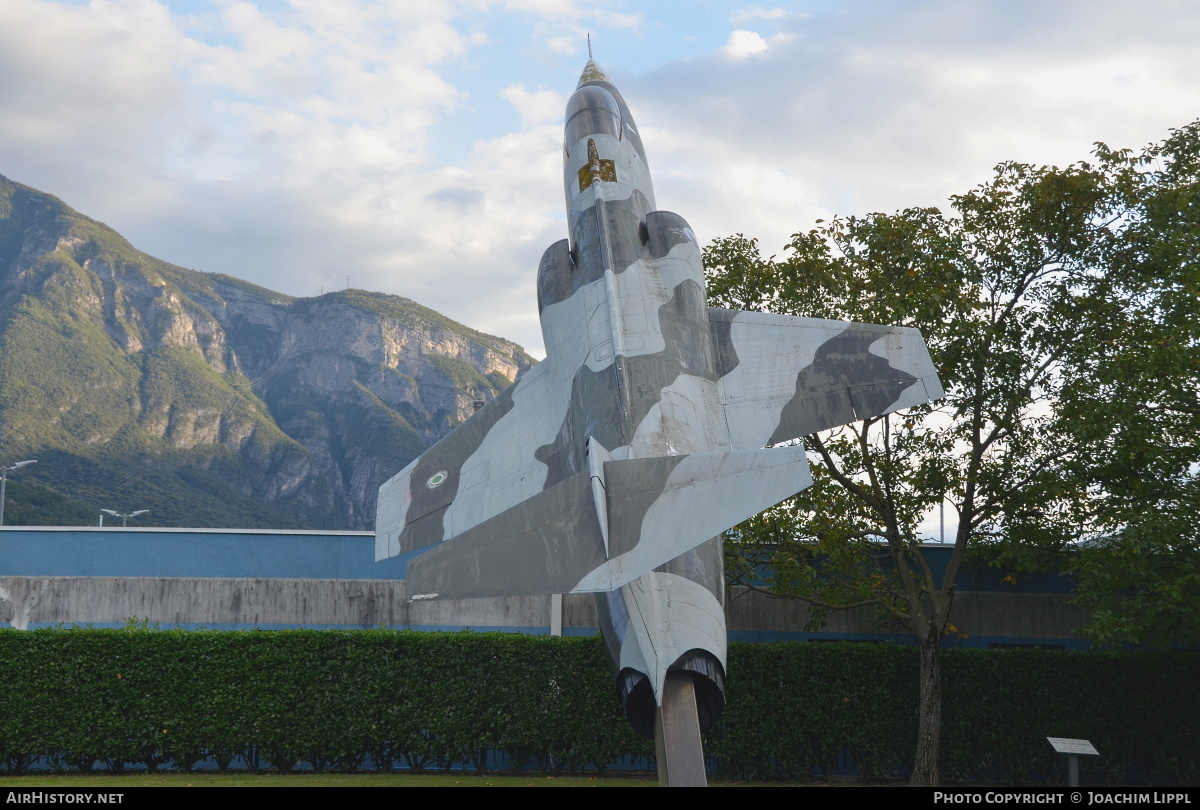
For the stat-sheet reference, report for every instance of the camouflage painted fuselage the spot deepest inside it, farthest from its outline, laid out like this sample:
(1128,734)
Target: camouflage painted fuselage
(614,466)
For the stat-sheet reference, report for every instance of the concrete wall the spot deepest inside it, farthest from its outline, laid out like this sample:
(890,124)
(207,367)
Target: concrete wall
(275,603)
(272,580)
(226,603)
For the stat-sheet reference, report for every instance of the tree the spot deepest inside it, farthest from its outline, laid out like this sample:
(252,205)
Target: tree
(1007,290)
(1133,394)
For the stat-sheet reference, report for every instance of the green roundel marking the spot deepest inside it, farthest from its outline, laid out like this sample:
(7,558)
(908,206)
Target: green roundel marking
(436,480)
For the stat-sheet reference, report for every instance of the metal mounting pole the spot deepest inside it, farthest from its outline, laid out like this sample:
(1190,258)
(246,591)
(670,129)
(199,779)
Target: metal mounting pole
(1073,749)
(556,614)
(677,743)
(4,482)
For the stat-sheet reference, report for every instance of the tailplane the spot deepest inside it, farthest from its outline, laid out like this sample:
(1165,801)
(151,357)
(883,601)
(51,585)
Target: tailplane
(655,509)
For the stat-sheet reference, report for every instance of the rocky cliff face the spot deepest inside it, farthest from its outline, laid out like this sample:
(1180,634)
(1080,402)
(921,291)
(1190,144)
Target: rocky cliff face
(210,401)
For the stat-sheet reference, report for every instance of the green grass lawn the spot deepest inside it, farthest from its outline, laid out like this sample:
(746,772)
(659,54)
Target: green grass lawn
(116,783)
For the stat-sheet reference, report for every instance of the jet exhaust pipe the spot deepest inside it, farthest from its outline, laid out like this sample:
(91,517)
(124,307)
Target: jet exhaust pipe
(708,679)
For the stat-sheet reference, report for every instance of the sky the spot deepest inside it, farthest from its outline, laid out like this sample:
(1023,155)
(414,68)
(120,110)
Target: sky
(415,148)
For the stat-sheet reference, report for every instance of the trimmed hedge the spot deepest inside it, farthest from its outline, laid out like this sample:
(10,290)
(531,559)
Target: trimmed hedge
(328,699)
(334,699)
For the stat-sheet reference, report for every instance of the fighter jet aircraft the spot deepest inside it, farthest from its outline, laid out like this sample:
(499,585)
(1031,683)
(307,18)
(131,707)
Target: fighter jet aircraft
(615,465)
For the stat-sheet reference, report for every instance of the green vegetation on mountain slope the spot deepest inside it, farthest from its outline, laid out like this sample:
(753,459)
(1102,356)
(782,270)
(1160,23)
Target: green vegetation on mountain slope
(137,384)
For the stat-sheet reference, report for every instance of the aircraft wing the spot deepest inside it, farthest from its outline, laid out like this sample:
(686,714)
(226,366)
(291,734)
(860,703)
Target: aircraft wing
(483,467)
(477,501)
(788,376)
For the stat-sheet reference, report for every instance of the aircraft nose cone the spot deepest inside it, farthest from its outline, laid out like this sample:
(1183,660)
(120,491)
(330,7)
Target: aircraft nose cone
(592,73)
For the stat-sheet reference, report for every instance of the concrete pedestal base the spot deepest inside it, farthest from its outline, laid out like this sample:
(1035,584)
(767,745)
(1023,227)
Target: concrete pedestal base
(677,735)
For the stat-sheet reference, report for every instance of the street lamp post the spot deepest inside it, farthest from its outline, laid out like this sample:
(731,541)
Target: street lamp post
(4,482)
(123,516)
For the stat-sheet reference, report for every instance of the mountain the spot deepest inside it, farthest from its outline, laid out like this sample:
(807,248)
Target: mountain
(210,401)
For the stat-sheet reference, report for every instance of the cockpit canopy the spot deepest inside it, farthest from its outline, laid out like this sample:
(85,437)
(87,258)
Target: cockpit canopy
(592,110)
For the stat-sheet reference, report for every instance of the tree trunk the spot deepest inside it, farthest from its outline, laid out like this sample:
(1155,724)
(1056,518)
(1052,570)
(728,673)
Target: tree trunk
(929,727)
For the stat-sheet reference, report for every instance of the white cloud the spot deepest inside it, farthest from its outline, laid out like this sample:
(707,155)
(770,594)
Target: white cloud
(565,45)
(296,144)
(562,26)
(881,107)
(743,43)
(536,107)
(758,13)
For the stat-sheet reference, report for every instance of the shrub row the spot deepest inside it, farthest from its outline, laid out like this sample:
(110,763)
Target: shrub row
(115,698)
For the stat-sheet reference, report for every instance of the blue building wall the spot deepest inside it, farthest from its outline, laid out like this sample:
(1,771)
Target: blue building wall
(243,553)
(277,554)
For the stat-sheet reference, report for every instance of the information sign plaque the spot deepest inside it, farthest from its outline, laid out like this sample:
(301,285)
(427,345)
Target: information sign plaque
(1074,749)
(1065,745)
